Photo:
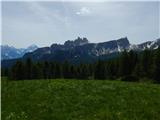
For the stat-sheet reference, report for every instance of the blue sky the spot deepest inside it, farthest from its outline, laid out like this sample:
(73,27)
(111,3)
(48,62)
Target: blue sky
(45,23)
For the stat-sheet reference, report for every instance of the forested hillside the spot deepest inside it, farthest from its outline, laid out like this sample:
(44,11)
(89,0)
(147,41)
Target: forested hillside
(129,66)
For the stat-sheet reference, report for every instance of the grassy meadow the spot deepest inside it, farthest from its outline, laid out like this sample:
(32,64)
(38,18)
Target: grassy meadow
(79,100)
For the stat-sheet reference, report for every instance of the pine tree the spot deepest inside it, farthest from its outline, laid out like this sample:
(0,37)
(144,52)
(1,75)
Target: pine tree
(17,71)
(29,69)
(58,70)
(39,68)
(46,70)
(124,64)
(66,70)
(84,71)
(132,61)
(100,70)
(156,72)
(78,72)
(4,71)
(138,69)
(91,71)
(35,74)
(52,70)
(73,71)
(146,62)
(111,70)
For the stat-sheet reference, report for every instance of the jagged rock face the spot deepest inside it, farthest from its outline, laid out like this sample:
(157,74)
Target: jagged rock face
(149,45)
(80,50)
(69,44)
(145,45)
(112,46)
(55,47)
(77,42)
(123,43)
(80,47)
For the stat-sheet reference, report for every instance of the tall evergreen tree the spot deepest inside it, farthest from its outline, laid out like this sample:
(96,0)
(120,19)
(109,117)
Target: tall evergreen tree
(4,71)
(138,69)
(46,68)
(35,73)
(73,71)
(156,72)
(39,70)
(124,64)
(84,71)
(91,71)
(132,61)
(66,70)
(100,70)
(146,62)
(111,70)
(17,72)
(52,70)
(29,68)
(58,70)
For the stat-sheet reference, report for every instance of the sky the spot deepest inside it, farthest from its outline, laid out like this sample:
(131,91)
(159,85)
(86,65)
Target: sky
(44,23)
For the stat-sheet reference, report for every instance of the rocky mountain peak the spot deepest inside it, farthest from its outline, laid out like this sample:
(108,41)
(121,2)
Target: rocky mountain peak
(123,42)
(77,42)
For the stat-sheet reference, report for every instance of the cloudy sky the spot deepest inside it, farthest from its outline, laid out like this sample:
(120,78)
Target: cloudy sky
(44,23)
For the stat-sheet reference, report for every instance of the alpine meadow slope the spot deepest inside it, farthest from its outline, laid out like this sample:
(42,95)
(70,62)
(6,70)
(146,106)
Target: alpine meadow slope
(65,99)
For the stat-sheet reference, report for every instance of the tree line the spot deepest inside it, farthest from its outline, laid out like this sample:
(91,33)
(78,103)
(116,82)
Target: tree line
(129,66)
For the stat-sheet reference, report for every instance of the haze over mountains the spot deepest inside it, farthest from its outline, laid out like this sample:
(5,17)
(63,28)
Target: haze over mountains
(9,52)
(76,50)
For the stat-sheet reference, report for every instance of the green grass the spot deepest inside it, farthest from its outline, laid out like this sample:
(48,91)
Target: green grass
(79,100)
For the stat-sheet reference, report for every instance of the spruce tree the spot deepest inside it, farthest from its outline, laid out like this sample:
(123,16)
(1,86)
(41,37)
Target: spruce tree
(156,72)
(84,71)
(66,70)
(46,70)
(124,64)
(17,71)
(35,73)
(146,62)
(111,70)
(52,70)
(73,71)
(58,70)
(39,70)
(100,70)
(132,61)
(29,69)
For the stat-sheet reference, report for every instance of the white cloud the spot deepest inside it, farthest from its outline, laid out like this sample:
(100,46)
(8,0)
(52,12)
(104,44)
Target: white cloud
(83,11)
(43,12)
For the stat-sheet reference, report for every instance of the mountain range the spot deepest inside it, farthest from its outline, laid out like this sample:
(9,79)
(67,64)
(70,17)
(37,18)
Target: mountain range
(10,52)
(80,50)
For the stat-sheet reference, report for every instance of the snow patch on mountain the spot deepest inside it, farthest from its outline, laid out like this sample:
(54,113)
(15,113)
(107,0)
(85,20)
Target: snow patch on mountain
(10,52)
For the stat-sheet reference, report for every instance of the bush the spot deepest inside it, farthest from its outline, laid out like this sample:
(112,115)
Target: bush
(130,78)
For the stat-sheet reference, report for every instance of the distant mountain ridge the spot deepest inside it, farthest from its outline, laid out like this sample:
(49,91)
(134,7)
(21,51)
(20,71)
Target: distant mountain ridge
(146,45)
(9,52)
(81,50)
(78,48)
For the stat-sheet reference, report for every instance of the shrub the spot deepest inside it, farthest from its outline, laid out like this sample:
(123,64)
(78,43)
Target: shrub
(130,78)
